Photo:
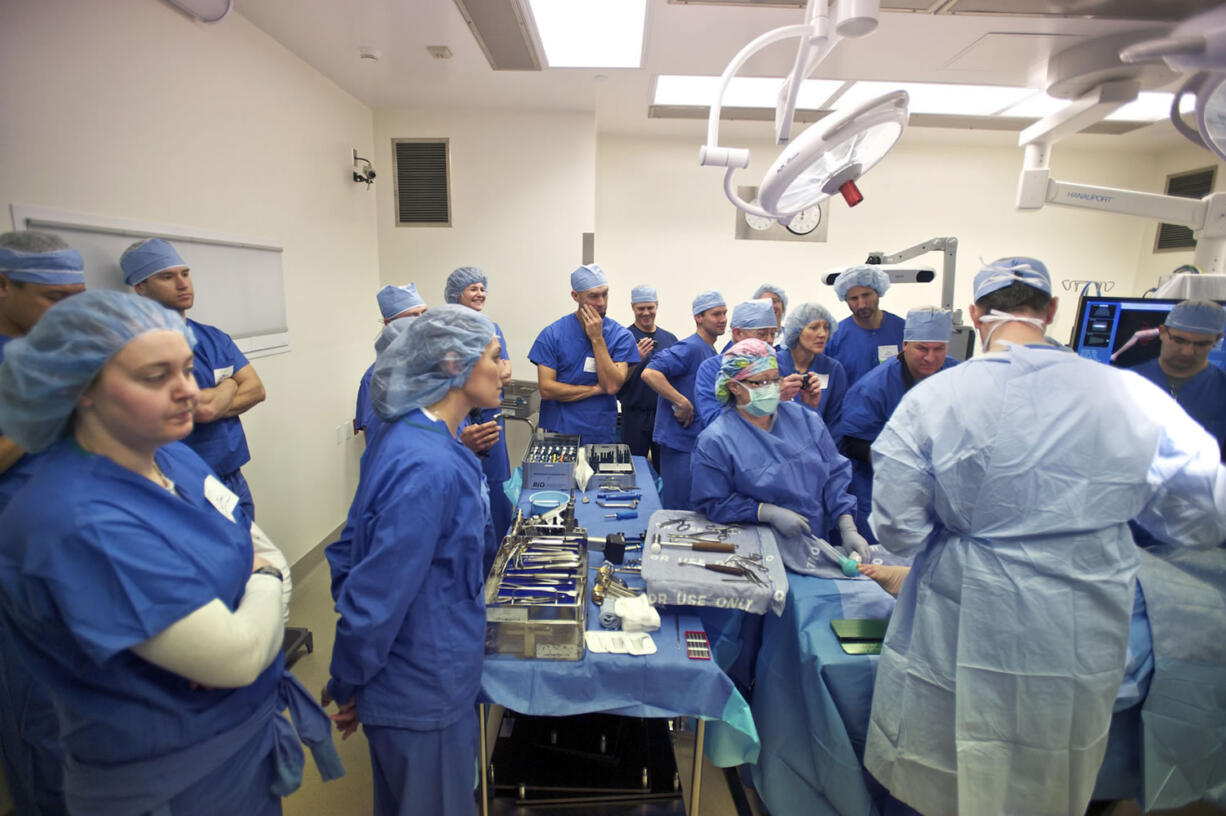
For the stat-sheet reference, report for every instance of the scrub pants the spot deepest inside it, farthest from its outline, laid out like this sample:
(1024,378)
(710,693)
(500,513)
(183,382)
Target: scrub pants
(675,471)
(238,484)
(29,745)
(636,432)
(418,772)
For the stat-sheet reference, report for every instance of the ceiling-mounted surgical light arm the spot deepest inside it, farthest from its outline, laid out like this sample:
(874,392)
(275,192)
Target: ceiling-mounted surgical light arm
(1206,216)
(1075,117)
(947,246)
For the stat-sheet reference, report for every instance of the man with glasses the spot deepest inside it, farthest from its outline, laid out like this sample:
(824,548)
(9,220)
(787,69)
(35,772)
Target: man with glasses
(1192,329)
(752,319)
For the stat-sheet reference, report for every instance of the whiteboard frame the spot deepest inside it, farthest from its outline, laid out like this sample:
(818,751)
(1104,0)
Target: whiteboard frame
(32,216)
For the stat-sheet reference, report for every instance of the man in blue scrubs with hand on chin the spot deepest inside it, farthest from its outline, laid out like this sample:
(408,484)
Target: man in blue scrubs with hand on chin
(671,375)
(582,359)
(228,383)
(873,335)
(1192,329)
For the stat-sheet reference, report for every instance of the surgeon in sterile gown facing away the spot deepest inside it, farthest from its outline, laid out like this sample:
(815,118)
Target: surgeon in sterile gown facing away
(410,641)
(1012,478)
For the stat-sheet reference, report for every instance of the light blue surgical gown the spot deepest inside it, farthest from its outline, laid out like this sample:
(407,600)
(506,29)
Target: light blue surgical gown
(1013,476)
(866,409)
(679,364)
(833,393)
(564,346)
(410,641)
(859,350)
(737,466)
(84,579)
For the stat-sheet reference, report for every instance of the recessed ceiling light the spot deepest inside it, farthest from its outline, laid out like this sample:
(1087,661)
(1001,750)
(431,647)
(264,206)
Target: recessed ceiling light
(591,33)
(439,51)
(743,92)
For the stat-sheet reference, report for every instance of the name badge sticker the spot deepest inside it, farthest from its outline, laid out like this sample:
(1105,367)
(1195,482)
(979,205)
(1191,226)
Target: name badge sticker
(220,496)
(886,352)
(220,374)
(589,365)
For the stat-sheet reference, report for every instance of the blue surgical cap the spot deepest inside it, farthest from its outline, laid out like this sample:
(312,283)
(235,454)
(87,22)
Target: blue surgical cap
(1197,316)
(805,314)
(754,314)
(1004,272)
(772,288)
(396,299)
(928,324)
(147,258)
(435,353)
(587,277)
(862,275)
(706,300)
(643,294)
(45,372)
(460,279)
(57,267)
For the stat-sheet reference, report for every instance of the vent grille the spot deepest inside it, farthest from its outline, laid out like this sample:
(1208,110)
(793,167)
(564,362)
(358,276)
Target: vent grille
(423,185)
(1196,184)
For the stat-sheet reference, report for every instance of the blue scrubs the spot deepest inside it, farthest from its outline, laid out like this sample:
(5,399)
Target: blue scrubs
(363,411)
(706,405)
(410,640)
(737,466)
(679,365)
(1203,396)
(19,472)
(868,406)
(496,464)
(859,350)
(82,581)
(831,406)
(638,401)
(563,345)
(221,444)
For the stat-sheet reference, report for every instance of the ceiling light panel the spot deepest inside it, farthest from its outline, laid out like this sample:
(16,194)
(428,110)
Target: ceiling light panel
(938,98)
(743,92)
(590,33)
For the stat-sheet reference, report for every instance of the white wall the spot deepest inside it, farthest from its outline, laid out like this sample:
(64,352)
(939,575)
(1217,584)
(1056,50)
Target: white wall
(663,219)
(129,109)
(523,192)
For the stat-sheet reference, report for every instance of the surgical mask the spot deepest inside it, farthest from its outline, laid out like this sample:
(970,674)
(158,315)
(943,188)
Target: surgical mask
(1001,318)
(763,400)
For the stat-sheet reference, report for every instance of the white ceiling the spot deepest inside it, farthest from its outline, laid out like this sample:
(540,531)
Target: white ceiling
(688,38)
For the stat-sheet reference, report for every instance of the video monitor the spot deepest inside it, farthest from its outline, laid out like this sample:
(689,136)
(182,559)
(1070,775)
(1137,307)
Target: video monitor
(1118,331)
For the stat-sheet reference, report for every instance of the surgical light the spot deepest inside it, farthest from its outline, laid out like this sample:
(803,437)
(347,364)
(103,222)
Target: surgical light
(832,154)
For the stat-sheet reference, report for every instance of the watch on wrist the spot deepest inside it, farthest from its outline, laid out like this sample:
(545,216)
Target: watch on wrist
(269,570)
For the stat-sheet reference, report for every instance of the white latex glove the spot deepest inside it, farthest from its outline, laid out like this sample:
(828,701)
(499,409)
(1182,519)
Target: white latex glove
(853,542)
(788,522)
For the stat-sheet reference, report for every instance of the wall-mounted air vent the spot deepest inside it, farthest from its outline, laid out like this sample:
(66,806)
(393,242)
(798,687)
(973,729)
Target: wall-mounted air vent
(423,185)
(1194,184)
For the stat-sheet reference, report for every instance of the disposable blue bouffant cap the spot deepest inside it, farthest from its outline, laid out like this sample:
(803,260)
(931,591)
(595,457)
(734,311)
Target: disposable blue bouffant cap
(706,300)
(588,276)
(928,324)
(754,314)
(57,267)
(643,294)
(1198,317)
(147,258)
(396,299)
(775,290)
(805,314)
(1004,272)
(460,279)
(861,275)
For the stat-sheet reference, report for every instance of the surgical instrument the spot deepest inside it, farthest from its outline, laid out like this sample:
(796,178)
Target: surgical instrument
(699,546)
(622,514)
(850,568)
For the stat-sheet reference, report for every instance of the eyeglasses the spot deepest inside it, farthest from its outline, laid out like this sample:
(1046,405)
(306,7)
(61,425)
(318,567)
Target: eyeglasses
(1199,345)
(759,383)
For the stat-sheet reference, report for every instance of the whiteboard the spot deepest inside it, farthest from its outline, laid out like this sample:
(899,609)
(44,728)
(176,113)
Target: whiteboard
(239,281)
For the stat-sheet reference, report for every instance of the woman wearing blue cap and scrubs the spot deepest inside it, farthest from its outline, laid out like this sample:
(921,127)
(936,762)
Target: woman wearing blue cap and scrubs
(806,335)
(488,438)
(772,462)
(410,640)
(395,303)
(137,601)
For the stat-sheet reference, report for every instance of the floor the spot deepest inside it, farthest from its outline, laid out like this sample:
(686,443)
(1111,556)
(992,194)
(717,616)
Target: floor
(312,608)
